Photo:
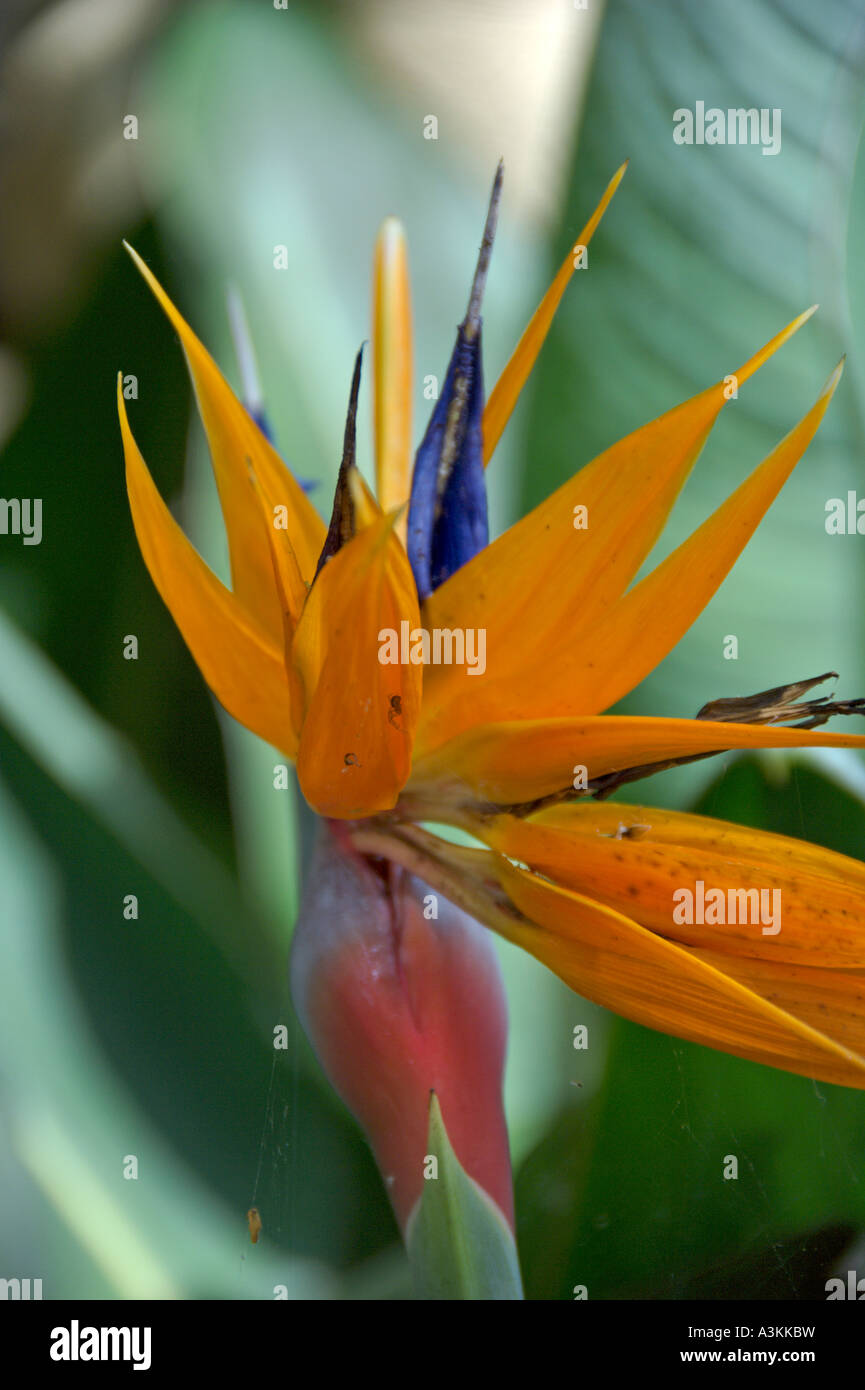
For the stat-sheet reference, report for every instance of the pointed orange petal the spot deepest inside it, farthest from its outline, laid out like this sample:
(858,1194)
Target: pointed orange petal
(521,760)
(242,665)
(607,957)
(650,619)
(290,583)
(236,442)
(361,713)
(366,506)
(507,389)
(392,368)
(292,591)
(546,576)
(825,999)
(646,862)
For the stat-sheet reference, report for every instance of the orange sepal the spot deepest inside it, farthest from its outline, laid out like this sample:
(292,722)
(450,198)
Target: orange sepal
(607,957)
(360,713)
(236,444)
(507,389)
(521,760)
(649,863)
(544,589)
(242,665)
(657,612)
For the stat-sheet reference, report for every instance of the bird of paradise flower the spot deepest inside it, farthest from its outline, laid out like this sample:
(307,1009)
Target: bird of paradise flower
(293,652)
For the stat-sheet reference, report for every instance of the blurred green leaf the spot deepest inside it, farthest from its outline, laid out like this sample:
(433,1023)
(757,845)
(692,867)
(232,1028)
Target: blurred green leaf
(73,1126)
(97,768)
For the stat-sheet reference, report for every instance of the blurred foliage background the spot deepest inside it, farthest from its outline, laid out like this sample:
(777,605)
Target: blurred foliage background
(303,127)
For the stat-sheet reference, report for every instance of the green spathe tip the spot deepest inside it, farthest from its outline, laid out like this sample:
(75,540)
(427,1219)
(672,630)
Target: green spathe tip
(459,1244)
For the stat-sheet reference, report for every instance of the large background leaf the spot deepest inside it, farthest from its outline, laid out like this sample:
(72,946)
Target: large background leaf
(706,252)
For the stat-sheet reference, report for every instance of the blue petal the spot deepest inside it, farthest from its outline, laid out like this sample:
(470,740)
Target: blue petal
(447,514)
(258,415)
(447,518)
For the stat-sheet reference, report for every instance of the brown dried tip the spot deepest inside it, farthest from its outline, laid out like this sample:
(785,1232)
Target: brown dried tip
(342,522)
(775,706)
(778,706)
(473,313)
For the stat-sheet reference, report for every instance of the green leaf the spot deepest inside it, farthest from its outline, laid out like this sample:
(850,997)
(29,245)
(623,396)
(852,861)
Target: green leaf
(98,768)
(73,1126)
(705,253)
(459,1244)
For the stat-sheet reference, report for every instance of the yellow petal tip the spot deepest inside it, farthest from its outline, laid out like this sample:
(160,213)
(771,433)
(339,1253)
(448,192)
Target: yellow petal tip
(392,364)
(507,389)
(617,177)
(127,246)
(834,378)
(390,234)
(769,349)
